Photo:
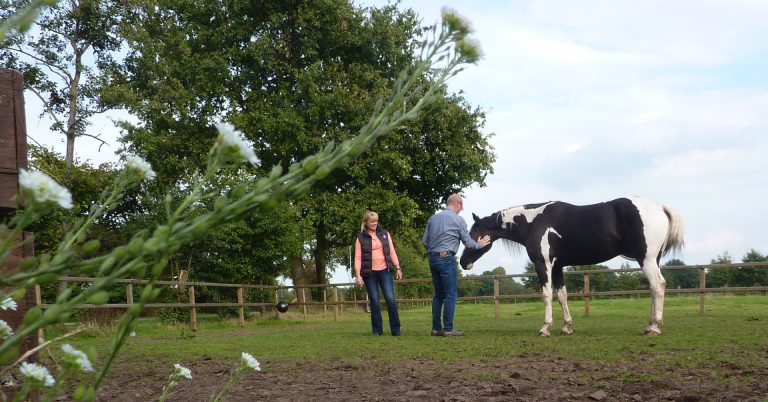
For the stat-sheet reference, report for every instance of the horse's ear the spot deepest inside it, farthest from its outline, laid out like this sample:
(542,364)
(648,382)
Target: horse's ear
(475,217)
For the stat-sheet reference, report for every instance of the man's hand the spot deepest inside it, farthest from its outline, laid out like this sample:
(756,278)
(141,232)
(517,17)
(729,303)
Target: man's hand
(484,241)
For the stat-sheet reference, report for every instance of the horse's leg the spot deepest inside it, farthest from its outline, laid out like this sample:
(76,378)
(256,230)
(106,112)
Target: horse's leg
(562,297)
(546,295)
(658,285)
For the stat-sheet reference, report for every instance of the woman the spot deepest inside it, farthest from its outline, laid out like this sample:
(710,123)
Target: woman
(375,259)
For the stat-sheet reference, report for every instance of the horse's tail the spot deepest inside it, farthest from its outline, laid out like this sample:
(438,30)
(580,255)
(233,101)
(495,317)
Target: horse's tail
(674,241)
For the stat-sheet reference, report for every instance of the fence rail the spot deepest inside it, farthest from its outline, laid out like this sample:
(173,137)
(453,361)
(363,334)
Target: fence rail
(336,303)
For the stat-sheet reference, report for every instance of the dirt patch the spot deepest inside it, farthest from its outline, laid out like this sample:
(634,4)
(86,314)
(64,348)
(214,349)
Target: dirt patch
(528,378)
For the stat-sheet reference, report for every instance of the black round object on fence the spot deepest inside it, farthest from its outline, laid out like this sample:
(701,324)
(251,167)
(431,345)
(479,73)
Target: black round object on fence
(282,306)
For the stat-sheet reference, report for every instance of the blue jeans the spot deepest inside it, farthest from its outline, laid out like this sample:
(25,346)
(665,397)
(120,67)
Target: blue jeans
(384,280)
(446,283)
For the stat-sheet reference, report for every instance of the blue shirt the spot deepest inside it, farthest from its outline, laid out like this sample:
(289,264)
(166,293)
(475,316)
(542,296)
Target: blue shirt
(444,231)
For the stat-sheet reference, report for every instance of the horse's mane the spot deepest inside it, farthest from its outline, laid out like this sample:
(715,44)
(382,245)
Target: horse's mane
(512,247)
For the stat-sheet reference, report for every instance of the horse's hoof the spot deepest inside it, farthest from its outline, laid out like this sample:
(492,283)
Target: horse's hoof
(544,334)
(566,331)
(650,332)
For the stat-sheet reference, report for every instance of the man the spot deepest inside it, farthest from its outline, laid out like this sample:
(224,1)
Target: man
(444,231)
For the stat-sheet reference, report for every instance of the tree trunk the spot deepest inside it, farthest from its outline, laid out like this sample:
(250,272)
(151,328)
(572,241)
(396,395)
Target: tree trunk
(299,277)
(321,250)
(71,134)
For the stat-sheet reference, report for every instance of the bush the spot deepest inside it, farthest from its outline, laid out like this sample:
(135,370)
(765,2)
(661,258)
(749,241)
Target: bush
(174,315)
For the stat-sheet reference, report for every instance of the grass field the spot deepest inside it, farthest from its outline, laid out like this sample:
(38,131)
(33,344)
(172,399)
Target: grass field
(728,344)
(732,328)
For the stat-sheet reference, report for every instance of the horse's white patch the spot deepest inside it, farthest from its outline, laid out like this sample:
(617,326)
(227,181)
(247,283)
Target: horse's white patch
(655,229)
(546,289)
(655,225)
(509,214)
(545,250)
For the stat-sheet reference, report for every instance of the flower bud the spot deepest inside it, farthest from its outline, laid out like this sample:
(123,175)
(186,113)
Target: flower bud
(53,314)
(107,264)
(120,252)
(99,298)
(9,355)
(64,296)
(310,164)
(220,203)
(153,245)
(268,205)
(239,191)
(135,246)
(46,279)
(158,267)
(276,172)
(28,264)
(33,315)
(19,293)
(322,172)
(91,247)
(79,394)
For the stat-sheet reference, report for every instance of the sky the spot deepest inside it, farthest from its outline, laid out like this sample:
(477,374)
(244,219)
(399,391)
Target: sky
(594,100)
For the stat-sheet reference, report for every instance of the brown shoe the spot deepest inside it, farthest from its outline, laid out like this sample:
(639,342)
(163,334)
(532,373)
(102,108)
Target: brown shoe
(438,333)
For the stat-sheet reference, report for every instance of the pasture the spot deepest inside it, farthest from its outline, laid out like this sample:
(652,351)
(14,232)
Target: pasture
(720,355)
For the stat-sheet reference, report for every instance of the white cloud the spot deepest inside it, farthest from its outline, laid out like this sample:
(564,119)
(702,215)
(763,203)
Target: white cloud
(599,99)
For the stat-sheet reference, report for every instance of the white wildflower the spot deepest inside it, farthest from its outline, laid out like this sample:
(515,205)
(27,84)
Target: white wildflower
(77,357)
(137,163)
(44,189)
(5,330)
(182,372)
(456,22)
(8,304)
(251,361)
(229,136)
(37,373)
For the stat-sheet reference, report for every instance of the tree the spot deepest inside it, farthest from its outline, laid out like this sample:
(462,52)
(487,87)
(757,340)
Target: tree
(597,282)
(507,286)
(630,280)
(752,276)
(531,282)
(55,61)
(717,278)
(295,76)
(681,278)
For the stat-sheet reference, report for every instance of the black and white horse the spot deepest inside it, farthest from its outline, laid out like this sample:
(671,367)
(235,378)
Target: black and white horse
(557,234)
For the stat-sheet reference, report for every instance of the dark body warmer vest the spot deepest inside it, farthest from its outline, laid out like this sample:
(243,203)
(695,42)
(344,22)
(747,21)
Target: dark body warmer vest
(366,257)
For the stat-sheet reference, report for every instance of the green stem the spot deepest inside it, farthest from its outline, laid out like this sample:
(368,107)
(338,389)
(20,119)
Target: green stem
(235,375)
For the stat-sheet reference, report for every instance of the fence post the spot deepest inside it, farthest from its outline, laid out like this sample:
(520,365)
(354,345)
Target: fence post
(586,294)
(702,288)
(277,300)
(192,310)
(496,295)
(129,293)
(335,303)
(325,301)
(304,299)
(39,301)
(241,308)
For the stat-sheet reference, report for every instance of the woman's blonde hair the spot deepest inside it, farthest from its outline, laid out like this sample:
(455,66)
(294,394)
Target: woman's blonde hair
(368,215)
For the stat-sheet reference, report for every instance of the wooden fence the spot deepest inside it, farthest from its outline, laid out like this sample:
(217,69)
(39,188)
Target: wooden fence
(336,302)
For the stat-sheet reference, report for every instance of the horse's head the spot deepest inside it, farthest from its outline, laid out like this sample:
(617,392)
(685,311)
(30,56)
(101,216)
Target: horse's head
(485,226)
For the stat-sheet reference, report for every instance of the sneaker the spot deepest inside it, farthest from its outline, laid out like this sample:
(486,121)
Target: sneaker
(438,333)
(453,332)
